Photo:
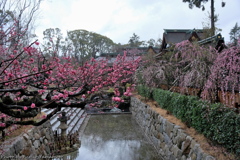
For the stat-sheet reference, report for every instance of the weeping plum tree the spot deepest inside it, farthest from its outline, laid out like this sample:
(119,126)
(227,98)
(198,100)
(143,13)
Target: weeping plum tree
(191,65)
(188,65)
(225,74)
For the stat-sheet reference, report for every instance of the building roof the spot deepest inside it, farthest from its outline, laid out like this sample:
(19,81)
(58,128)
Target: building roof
(212,39)
(111,60)
(217,41)
(172,36)
(131,51)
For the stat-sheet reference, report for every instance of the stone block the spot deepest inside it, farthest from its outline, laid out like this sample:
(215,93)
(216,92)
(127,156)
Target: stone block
(186,145)
(43,132)
(164,125)
(147,116)
(161,152)
(181,136)
(155,141)
(157,127)
(48,135)
(26,151)
(176,152)
(193,156)
(193,143)
(183,157)
(161,128)
(47,149)
(36,136)
(36,144)
(162,144)
(149,111)
(30,134)
(210,158)
(19,145)
(175,130)
(167,139)
(169,127)
(25,136)
(45,141)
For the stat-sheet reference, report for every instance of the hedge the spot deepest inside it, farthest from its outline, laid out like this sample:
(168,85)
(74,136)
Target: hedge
(218,123)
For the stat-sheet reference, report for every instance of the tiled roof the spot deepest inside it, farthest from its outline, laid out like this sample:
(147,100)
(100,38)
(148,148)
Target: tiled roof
(179,35)
(172,36)
(113,59)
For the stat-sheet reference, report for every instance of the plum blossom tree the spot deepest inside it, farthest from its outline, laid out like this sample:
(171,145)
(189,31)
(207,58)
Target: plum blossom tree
(224,74)
(29,82)
(188,65)
(194,66)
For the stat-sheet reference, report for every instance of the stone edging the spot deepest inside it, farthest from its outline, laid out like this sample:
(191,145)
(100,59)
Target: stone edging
(32,144)
(169,139)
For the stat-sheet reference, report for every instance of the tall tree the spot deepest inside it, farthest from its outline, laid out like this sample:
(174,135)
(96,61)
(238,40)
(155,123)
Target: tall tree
(86,44)
(199,4)
(235,34)
(134,41)
(18,15)
(151,42)
(207,31)
(99,43)
(52,41)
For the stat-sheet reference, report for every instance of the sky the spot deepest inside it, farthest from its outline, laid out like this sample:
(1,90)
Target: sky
(119,19)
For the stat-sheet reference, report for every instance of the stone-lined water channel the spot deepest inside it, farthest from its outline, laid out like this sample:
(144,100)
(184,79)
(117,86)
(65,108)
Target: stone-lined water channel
(113,137)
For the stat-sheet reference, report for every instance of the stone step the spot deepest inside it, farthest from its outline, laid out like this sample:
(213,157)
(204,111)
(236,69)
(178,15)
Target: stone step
(78,123)
(74,116)
(47,110)
(74,121)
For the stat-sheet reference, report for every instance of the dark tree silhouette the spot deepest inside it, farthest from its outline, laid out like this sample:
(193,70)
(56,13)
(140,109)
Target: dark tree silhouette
(200,4)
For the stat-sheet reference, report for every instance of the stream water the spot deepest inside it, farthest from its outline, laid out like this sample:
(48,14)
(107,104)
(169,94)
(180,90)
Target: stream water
(113,137)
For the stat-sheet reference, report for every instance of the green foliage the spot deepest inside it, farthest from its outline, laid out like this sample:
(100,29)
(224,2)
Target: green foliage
(86,44)
(218,123)
(110,90)
(144,91)
(235,34)
(134,41)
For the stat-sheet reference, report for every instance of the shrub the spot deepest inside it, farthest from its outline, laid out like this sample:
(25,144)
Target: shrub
(218,123)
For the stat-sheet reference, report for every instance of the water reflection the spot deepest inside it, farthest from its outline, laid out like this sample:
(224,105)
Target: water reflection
(113,137)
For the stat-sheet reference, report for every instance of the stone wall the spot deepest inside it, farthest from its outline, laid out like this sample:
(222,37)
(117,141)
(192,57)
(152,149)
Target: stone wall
(35,143)
(169,139)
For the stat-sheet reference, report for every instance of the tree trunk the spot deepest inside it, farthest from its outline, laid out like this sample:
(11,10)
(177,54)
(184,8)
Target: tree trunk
(212,19)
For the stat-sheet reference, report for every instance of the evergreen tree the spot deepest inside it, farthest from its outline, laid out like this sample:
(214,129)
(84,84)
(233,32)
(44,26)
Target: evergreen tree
(199,4)
(235,34)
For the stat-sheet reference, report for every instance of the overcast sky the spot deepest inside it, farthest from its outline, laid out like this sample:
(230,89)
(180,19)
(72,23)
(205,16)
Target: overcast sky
(119,19)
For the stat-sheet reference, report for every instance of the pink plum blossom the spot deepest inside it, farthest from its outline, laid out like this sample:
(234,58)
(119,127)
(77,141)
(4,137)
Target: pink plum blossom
(33,105)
